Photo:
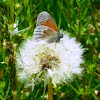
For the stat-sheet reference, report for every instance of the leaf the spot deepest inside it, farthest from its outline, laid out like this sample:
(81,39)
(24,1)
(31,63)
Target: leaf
(88,19)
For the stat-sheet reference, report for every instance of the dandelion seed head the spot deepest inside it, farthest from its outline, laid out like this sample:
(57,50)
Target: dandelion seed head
(56,60)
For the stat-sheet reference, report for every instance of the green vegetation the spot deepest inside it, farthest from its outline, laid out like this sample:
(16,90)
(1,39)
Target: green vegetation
(80,18)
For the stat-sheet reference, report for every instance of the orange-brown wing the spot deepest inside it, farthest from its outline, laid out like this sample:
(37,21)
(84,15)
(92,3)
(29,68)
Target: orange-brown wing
(45,19)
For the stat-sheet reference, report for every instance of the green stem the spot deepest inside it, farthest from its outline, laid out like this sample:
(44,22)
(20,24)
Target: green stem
(12,11)
(76,91)
(50,91)
(89,84)
(96,87)
(79,24)
(95,97)
(14,95)
(97,74)
(8,90)
(25,3)
(10,51)
(93,16)
(69,14)
(1,73)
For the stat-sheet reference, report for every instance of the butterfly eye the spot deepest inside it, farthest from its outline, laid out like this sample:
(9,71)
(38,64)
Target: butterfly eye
(61,35)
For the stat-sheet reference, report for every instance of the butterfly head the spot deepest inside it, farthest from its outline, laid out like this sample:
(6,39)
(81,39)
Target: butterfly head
(58,37)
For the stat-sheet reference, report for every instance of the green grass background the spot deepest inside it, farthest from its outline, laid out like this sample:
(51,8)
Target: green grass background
(80,18)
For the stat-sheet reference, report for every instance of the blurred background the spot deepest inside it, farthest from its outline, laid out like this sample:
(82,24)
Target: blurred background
(79,18)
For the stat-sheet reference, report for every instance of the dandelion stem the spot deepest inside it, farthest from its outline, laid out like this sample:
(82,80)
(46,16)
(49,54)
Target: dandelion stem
(22,94)
(50,91)
(14,95)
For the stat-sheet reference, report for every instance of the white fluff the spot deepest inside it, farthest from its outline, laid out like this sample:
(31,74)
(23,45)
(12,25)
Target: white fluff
(69,57)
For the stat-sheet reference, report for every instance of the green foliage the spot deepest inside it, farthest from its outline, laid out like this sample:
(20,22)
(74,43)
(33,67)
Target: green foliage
(80,18)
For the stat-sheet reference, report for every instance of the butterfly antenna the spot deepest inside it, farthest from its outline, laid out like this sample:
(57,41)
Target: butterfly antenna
(62,43)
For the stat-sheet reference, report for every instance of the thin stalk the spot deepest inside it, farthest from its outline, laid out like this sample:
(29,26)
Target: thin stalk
(60,7)
(95,97)
(50,91)
(93,19)
(76,91)
(69,15)
(9,49)
(84,96)
(22,94)
(97,74)
(79,23)
(25,3)
(44,92)
(1,73)
(12,11)
(14,95)
(8,90)
(10,53)
(98,86)
(89,84)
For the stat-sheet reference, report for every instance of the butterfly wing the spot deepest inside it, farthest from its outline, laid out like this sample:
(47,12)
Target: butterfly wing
(46,34)
(45,19)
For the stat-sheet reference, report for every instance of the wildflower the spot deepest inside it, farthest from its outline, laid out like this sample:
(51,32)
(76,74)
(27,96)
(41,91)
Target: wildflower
(38,61)
(12,30)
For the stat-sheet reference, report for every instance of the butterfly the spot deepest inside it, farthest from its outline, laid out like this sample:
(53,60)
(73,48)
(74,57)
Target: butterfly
(46,29)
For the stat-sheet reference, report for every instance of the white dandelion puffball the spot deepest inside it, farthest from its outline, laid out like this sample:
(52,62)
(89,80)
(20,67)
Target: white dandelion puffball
(60,61)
